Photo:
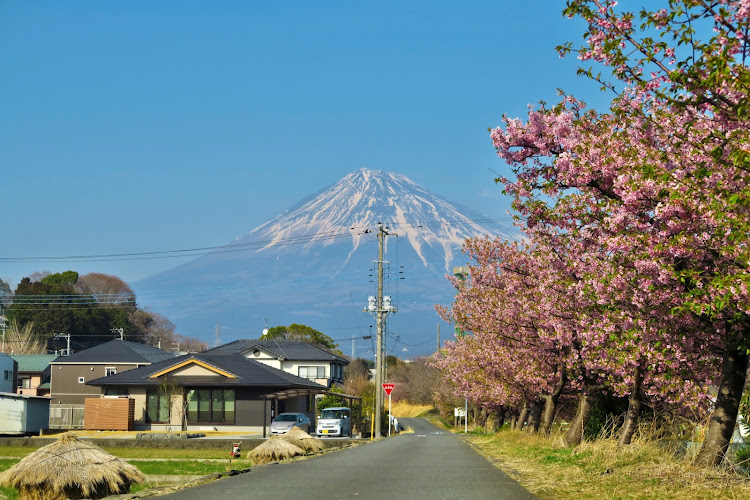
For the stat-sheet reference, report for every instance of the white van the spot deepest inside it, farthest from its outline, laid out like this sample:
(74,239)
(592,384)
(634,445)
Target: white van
(335,421)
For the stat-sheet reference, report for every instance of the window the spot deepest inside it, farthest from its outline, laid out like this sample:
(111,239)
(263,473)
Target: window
(214,406)
(116,391)
(7,374)
(157,406)
(110,370)
(312,372)
(24,383)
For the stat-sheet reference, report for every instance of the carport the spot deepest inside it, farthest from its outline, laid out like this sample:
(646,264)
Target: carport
(293,393)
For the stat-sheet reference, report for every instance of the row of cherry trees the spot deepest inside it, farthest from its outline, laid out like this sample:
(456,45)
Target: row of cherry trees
(634,276)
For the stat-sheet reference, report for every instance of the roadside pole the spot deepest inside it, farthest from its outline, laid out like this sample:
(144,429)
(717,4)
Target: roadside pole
(388,388)
(390,418)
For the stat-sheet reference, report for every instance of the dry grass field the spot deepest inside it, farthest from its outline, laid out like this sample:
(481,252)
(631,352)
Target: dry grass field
(404,409)
(600,469)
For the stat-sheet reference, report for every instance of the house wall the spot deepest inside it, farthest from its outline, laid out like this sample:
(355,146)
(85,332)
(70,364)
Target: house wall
(293,366)
(265,358)
(8,373)
(192,370)
(249,407)
(65,388)
(35,380)
(139,395)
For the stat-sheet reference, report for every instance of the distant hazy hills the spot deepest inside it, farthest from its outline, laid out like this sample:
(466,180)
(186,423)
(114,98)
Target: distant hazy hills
(312,265)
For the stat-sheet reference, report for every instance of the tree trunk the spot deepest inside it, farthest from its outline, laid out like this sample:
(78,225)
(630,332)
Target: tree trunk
(522,417)
(535,416)
(550,404)
(481,419)
(574,435)
(634,410)
(724,416)
(513,420)
(490,425)
(501,417)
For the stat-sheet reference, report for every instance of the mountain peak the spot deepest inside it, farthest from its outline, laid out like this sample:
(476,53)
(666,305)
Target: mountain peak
(365,198)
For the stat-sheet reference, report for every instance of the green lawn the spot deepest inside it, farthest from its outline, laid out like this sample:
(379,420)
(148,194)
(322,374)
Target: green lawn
(193,468)
(22,451)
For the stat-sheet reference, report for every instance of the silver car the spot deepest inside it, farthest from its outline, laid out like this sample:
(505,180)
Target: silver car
(284,422)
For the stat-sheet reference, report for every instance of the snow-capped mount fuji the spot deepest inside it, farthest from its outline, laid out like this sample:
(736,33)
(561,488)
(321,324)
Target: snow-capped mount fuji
(312,264)
(365,198)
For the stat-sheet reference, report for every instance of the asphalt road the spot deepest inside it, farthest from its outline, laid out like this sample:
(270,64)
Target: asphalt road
(426,463)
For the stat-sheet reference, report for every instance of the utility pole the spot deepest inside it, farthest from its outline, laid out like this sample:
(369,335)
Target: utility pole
(65,336)
(379,306)
(379,336)
(3,326)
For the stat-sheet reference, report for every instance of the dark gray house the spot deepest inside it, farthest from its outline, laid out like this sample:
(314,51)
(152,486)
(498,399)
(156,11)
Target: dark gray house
(210,390)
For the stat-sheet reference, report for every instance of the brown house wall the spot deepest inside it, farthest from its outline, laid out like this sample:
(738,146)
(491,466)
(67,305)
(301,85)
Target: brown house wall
(65,388)
(249,406)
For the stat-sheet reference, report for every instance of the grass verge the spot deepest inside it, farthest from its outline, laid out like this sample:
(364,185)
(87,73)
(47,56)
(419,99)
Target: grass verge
(601,469)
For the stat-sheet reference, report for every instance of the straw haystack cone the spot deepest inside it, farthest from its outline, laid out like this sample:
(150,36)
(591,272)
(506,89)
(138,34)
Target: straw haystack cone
(300,438)
(274,449)
(70,468)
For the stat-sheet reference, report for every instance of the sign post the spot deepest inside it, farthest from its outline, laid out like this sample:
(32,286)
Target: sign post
(388,388)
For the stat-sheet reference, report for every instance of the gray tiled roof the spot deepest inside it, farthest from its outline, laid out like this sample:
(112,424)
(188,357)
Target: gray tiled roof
(249,373)
(290,350)
(117,351)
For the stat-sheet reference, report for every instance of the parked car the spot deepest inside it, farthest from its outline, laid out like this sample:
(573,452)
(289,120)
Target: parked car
(284,422)
(335,422)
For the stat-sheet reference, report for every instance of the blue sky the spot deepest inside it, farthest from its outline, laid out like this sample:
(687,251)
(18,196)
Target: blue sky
(145,126)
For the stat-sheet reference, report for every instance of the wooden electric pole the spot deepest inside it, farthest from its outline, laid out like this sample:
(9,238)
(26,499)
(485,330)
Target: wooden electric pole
(379,321)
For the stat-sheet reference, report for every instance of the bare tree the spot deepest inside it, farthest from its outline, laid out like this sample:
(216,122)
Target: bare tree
(106,288)
(155,329)
(417,381)
(38,276)
(23,339)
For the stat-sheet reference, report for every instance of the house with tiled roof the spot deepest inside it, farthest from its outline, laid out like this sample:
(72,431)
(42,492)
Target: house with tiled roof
(69,374)
(34,372)
(211,390)
(296,357)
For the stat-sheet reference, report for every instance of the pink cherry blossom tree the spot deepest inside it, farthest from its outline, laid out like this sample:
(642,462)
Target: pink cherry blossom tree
(660,180)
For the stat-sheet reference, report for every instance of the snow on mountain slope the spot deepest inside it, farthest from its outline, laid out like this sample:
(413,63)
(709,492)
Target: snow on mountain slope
(364,198)
(312,263)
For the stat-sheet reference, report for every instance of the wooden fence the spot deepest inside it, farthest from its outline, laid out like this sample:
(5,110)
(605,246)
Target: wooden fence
(109,414)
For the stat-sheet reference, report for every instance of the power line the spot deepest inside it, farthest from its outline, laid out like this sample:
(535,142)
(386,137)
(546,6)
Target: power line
(235,247)
(320,282)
